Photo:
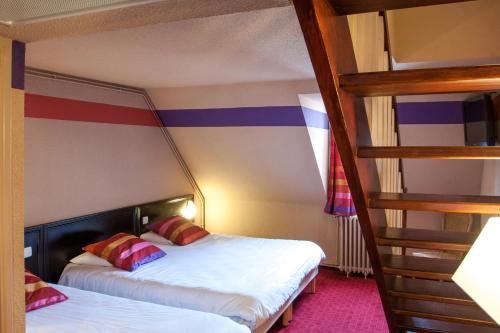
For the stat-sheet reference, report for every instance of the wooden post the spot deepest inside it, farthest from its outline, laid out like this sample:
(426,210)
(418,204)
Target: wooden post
(12,308)
(287,315)
(312,286)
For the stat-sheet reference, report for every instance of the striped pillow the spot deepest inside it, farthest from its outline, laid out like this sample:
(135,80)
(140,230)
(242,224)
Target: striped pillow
(39,294)
(178,230)
(125,251)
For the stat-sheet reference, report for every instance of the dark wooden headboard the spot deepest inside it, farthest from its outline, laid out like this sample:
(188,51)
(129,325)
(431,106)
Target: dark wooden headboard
(54,244)
(159,210)
(33,242)
(65,239)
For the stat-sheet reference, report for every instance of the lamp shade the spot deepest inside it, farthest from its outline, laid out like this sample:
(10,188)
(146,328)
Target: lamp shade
(189,212)
(479,273)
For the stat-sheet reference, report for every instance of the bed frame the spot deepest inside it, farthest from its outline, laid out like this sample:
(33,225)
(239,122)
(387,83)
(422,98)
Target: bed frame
(52,245)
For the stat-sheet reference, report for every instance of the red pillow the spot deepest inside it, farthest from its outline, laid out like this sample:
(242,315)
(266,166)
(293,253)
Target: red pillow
(39,294)
(178,230)
(125,251)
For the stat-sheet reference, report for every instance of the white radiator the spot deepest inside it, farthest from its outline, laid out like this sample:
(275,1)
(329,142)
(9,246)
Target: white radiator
(353,255)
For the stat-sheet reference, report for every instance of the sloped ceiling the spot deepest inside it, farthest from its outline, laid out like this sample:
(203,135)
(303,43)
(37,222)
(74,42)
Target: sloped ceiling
(106,19)
(460,31)
(264,45)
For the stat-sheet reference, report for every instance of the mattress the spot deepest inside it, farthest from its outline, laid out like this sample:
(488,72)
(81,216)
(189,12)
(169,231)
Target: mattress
(89,312)
(246,279)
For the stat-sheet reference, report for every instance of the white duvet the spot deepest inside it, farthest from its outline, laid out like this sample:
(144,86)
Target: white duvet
(246,279)
(88,312)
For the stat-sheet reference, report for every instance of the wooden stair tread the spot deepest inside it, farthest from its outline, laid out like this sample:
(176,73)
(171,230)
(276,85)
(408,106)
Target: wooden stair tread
(436,202)
(422,81)
(348,7)
(427,290)
(419,267)
(450,312)
(438,152)
(425,239)
(435,326)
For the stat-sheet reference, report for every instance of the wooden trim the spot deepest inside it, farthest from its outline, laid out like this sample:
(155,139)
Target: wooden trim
(330,47)
(11,197)
(348,7)
(422,81)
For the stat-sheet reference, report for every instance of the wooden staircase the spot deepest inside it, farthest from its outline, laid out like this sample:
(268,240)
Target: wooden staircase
(417,293)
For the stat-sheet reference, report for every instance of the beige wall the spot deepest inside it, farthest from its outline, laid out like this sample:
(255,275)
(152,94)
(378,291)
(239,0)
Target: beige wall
(460,31)
(74,168)
(263,181)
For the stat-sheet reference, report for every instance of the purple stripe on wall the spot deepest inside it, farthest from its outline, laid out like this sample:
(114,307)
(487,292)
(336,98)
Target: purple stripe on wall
(243,116)
(18,63)
(431,113)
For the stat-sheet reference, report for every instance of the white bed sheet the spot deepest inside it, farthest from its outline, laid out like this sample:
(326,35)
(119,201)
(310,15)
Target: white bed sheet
(89,312)
(246,279)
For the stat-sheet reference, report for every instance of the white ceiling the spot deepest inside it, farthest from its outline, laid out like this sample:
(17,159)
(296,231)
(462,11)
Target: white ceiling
(264,45)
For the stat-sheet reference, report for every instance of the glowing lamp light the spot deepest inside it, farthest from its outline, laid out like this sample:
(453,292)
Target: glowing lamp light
(478,274)
(189,212)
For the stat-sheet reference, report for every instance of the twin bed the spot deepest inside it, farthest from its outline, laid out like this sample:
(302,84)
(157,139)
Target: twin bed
(239,284)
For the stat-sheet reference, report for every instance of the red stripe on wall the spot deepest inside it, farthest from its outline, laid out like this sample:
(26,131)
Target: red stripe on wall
(38,106)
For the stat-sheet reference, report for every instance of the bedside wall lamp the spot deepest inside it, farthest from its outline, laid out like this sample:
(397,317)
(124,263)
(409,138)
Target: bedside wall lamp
(189,212)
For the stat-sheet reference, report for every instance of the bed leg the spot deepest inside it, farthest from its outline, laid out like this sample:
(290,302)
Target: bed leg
(312,286)
(287,315)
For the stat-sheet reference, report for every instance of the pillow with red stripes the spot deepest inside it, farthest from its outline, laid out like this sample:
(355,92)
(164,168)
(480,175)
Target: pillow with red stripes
(125,251)
(178,230)
(39,294)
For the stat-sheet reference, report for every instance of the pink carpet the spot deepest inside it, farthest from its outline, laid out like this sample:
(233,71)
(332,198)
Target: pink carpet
(344,305)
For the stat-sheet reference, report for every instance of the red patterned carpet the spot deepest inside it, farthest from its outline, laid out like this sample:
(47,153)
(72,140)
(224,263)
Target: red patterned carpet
(343,305)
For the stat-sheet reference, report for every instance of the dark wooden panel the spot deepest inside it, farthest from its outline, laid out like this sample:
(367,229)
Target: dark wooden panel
(462,314)
(427,290)
(422,81)
(329,43)
(419,267)
(33,237)
(446,153)
(422,325)
(436,202)
(347,7)
(65,239)
(426,239)
(158,210)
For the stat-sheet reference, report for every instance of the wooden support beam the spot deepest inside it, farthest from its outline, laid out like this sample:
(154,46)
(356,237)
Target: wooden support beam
(422,81)
(427,290)
(470,315)
(348,7)
(330,47)
(426,239)
(419,267)
(434,152)
(422,325)
(479,204)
